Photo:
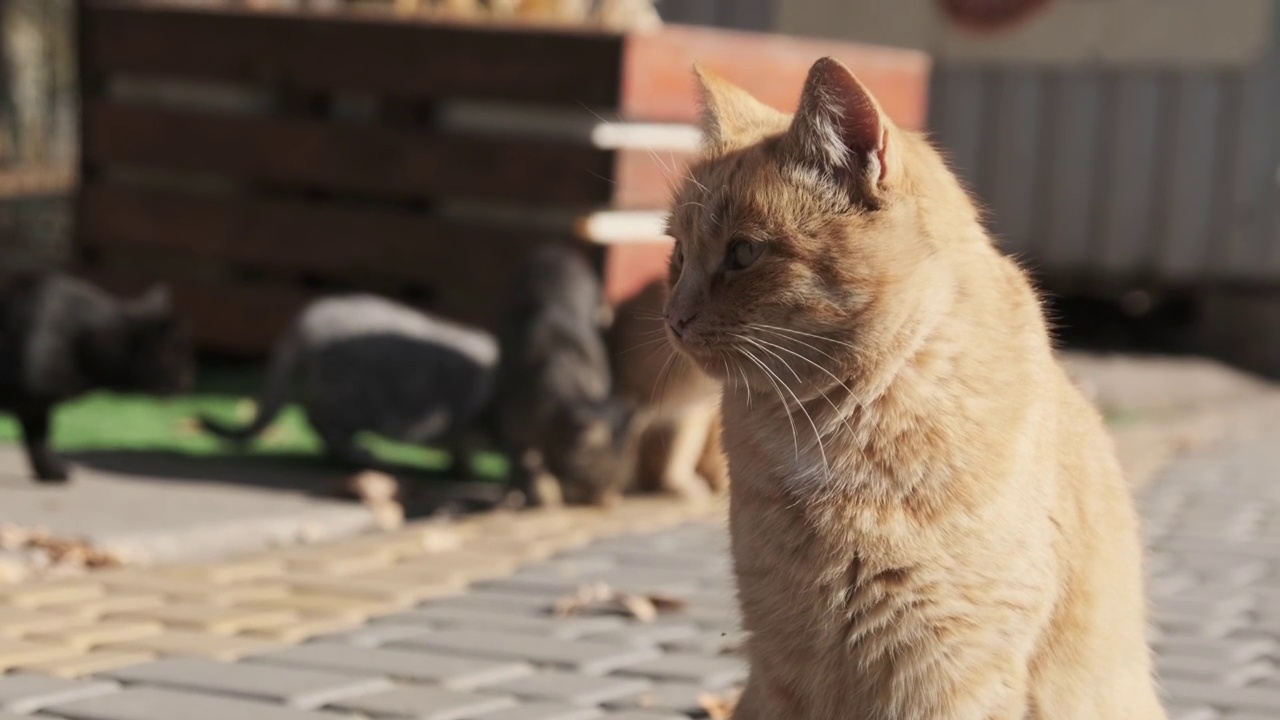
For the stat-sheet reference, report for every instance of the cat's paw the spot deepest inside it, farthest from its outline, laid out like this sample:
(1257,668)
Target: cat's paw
(52,472)
(689,487)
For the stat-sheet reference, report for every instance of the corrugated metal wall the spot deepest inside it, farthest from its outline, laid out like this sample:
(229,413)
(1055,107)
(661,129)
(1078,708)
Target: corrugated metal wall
(1104,175)
(1121,175)
(739,14)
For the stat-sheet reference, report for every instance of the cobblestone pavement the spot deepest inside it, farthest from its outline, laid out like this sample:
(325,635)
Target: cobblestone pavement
(381,627)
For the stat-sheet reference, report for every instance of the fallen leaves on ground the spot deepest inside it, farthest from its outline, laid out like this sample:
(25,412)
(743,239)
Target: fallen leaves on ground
(644,608)
(719,706)
(55,552)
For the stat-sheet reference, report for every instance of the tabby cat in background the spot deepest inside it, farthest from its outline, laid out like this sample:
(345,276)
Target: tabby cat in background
(679,418)
(61,337)
(563,432)
(364,364)
(928,519)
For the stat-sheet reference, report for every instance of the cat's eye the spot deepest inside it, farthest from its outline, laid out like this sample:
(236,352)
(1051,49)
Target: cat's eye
(741,254)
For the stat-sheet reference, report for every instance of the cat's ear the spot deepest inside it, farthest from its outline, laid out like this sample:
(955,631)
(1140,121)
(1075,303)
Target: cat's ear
(841,129)
(729,116)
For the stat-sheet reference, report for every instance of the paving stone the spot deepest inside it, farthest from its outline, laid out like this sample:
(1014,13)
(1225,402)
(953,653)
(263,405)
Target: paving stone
(109,604)
(402,592)
(216,619)
(284,685)
(642,715)
(542,711)
(377,634)
(1191,712)
(16,653)
(587,657)
(532,549)
(17,622)
(457,618)
(422,703)
(182,643)
(707,672)
(547,587)
(83,636)
(1225,651)
(447,670)
(486,601)
(328,605)
(24,693)
(647,634)
(337,561)
(161,704)
(1253,699)
(664,697)
(196,589)
(90,663)
(32,595)
(1203,669)
(226,572)
(410,542)
(469,565)
(303,629)
(572,688)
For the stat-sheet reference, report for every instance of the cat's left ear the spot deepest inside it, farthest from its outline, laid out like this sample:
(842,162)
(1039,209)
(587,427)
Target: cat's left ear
(841,129)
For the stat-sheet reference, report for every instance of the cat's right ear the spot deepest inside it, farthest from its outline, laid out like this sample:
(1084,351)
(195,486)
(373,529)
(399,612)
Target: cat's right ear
(729,116)
(841,130)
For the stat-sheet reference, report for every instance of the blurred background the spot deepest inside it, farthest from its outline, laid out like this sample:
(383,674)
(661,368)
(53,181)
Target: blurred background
(255,155)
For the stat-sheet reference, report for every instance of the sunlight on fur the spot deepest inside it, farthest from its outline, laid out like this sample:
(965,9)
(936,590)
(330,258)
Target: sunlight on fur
(928,519)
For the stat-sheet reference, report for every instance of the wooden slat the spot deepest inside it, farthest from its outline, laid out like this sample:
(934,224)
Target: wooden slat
(240,319)
(346,51)
(293,237)
(643,75)
(345,157)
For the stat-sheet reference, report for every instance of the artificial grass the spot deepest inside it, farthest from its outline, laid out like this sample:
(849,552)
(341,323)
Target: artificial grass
(137,423)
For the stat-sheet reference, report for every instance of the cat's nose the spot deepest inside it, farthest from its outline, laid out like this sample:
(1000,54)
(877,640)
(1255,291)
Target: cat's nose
(678,324)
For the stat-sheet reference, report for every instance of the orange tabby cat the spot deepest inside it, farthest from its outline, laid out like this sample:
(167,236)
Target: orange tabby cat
(928,519)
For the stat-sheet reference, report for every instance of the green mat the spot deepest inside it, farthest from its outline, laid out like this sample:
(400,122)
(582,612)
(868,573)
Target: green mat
(137,423)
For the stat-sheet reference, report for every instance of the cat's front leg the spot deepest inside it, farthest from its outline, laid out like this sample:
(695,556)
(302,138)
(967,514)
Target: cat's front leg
(35,437)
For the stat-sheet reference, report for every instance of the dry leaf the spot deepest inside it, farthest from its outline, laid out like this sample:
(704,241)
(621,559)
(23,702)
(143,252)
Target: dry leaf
(719,706)
(638,607)
(581,598)
(644,608)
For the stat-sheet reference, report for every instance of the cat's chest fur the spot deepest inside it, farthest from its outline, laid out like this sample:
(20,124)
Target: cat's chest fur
(838,568)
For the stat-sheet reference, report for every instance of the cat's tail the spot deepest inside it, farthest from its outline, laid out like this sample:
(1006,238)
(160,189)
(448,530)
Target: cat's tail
(275,393)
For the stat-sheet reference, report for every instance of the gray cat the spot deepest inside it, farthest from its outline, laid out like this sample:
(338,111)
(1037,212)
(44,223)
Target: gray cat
(367,364)
(60,338)
(554,414)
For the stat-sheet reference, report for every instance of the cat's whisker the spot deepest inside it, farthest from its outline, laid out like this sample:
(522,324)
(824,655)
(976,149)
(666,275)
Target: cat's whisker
(817,433)
(808,335)
(840,414)
(645,344)
(786,410)
(661,383)
(859,402)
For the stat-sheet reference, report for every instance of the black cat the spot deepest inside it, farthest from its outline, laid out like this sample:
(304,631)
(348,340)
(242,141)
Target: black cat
(60,337)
